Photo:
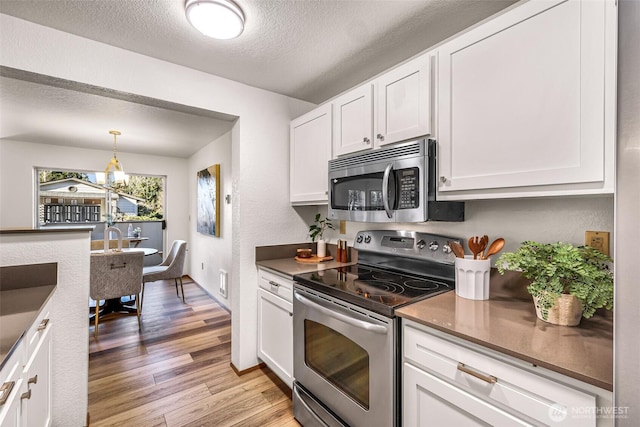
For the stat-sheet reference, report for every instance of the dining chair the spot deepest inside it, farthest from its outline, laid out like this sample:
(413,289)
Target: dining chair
(170,268)
(114,275)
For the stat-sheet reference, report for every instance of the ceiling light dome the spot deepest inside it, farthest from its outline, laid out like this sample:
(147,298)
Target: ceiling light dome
(220,19)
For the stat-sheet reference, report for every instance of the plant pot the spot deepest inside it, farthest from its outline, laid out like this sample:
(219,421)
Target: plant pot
(567,311)
(321,250)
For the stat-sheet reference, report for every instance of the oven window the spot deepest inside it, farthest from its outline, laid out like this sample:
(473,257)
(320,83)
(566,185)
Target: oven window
(339,360)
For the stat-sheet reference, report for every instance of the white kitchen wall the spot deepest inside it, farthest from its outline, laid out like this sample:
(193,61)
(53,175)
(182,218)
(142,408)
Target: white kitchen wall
(627,289)
(551,219)
(212,253)
(260,144)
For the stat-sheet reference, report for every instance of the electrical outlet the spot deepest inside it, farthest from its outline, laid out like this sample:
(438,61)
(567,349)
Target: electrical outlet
(343,227)
(223,283)
(598,240)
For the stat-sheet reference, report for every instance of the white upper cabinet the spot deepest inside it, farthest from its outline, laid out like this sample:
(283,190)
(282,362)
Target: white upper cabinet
(404,102)
(526,103)
(310,151)
(396,106)
(353,121)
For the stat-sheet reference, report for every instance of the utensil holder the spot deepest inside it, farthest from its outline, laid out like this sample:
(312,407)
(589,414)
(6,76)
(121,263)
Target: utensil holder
(472,277)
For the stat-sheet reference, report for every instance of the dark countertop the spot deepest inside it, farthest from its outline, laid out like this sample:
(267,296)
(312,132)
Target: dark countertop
(507,323)
(19,308)
(291,267)
(280,258)
(24,290)
(56,229)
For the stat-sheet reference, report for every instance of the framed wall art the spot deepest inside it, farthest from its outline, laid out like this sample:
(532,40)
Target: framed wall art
(208,221)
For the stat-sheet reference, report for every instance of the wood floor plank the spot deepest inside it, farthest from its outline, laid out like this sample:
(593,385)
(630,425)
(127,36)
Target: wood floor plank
(150,410)
(176,371)
(273,416)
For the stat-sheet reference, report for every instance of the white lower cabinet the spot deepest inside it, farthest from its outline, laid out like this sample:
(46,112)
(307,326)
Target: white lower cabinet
(10,391)
(28,404)
(450,381)
(36,401)
(431,401)
(275,324)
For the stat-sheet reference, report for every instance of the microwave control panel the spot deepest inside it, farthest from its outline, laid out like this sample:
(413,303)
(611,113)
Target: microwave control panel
(409,188)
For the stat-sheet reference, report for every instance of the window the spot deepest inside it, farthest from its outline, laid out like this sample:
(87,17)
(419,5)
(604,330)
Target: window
(74,197)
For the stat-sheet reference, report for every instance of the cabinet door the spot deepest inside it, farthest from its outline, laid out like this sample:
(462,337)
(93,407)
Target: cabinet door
(522,99)
(36,403)
(353,121)
(404,102)
(11,388)
(275,334)
(430,401)
(310,152)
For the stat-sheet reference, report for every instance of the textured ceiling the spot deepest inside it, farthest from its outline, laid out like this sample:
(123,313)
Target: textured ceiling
(307,49)
(46,113)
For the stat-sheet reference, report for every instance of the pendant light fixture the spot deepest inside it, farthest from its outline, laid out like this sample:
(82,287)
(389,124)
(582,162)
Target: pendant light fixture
(119,177)
(220,19)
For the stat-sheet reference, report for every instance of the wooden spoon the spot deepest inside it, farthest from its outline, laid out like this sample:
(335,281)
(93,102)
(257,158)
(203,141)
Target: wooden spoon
(495,247)
(475,246)
(457,249)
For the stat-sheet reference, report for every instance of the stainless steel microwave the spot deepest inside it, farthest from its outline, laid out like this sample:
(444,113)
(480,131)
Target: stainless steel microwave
(391,184)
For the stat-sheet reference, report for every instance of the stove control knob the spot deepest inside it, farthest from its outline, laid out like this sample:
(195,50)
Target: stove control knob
(421,244)
(359,238)
(367,238)
(446,249)
(433,245)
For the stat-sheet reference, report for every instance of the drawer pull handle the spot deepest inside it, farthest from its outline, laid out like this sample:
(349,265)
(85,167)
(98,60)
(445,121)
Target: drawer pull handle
(43,325)
(5,391)
(26,395)
(487,378)
(33,380)
(274,286)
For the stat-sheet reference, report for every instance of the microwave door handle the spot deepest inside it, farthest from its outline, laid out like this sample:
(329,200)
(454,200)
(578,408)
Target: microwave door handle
(385,190)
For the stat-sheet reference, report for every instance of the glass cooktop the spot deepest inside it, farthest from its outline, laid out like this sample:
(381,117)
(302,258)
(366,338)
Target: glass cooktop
(378,290)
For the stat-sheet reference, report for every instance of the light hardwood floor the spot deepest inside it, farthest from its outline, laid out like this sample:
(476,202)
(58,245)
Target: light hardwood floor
(177,371)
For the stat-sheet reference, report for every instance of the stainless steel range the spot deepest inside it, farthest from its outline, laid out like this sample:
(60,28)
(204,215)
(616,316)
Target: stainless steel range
(346,335)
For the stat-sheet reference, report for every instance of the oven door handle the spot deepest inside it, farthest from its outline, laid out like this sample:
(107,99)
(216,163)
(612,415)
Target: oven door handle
(385,189)
(378,329)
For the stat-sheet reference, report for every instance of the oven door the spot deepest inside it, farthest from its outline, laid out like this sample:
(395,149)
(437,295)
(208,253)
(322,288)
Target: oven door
(344,357)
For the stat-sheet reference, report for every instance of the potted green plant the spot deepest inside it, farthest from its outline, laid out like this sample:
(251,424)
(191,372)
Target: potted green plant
(316,231)
(563,277)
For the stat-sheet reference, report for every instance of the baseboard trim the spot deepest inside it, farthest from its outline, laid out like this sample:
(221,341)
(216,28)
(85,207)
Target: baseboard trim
(246,371)
(227,309)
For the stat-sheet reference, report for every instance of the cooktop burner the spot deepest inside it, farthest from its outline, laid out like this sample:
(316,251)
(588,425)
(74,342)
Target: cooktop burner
(379,290)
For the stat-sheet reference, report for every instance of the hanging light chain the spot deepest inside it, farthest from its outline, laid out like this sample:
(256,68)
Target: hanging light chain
(115,134)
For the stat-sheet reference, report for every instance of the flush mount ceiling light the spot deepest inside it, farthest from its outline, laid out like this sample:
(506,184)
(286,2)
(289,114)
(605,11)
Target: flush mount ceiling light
(220,19)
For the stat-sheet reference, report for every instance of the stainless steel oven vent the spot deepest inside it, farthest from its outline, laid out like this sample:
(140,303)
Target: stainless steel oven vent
(395,152)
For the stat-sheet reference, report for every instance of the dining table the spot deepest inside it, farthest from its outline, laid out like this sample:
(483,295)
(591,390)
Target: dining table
(147,251)
(122,305)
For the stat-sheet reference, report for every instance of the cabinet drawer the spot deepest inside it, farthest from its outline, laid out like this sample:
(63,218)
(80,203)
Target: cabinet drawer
(498,382)
(276,284)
